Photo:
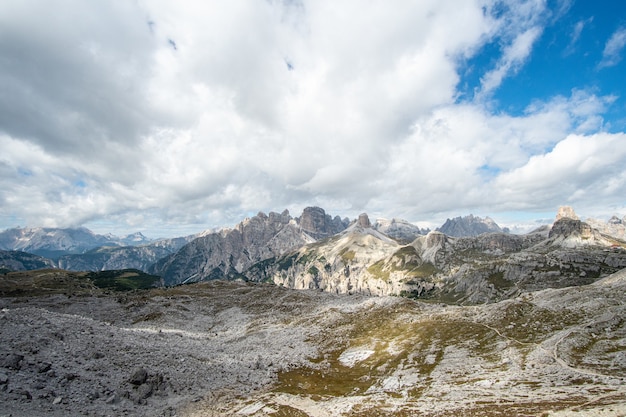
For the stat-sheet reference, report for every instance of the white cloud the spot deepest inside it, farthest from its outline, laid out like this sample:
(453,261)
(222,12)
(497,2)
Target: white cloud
(613,49)
(514,56)
(262,106)
(579,167)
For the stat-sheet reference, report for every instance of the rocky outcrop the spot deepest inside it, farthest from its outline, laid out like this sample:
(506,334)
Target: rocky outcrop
(469,226)
(614,227)
(568,227)
(364,220)
(316,223)
(566,212)
(226,254)
(484,268)
(342,264)
(573,233)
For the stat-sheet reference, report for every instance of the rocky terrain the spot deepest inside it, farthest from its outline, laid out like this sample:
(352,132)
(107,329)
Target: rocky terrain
(228,253)
(614,226)
(437,267)
(399,229)
(70,345)
(317,251)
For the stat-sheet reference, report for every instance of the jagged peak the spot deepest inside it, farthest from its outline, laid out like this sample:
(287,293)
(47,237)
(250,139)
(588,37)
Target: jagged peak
(566,212)
(469,225)
(364,220)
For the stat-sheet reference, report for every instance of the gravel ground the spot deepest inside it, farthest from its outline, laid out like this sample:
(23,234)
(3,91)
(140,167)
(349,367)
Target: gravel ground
(223,349)
(139,355)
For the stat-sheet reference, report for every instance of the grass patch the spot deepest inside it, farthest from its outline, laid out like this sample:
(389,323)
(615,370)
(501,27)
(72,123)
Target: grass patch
(347,255)
(377,270)
(498,281)
(424,270)
(124,279)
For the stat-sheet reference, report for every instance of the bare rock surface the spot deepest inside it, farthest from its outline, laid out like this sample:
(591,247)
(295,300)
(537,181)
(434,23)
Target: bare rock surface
(235,349)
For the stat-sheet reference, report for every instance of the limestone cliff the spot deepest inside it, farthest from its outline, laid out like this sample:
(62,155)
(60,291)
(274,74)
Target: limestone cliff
(224,255)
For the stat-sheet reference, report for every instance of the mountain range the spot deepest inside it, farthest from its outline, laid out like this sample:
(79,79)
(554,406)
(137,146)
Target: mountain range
(466,260)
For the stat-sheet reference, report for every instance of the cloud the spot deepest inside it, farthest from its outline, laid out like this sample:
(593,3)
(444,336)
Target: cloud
(575,35)
(461,155)
(513,58)
(179,116)
(613,49)
(584,168)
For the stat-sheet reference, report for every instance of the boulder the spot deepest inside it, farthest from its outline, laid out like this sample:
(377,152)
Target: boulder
(139,376)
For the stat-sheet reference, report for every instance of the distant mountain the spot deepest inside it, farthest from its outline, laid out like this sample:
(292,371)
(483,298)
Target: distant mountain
(140,257)
(615,226)
(399,229)
(474,269)
(225,254)
(55,242)
(389,257)
(469,226)
(22,261)
(316,223)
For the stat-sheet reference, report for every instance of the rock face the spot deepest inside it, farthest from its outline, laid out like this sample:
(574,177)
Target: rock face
(226,254)
(364,220)
(567,232)
(566,212)
(338,264)
(614,227)
(469,226)
(316,223)
(567,227)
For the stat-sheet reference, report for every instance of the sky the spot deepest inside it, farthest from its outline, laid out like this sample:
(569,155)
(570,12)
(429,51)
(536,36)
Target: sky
(171,118)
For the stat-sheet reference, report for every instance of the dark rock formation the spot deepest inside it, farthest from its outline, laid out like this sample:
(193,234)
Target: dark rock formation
(364,220)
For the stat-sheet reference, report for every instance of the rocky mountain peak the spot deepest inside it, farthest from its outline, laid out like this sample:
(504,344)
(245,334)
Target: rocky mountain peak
(315,222)
(364,220)
(469,226)
(566,212)
(567,226)
(313,219)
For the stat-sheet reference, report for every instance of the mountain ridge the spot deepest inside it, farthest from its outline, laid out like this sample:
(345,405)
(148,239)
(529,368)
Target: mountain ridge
(318,251)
